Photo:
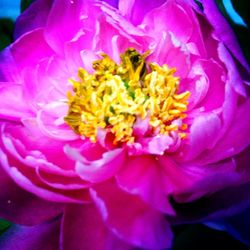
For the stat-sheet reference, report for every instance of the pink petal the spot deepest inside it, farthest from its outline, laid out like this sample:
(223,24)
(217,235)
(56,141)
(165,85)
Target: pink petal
(23,55)
(204,133)
(100,169)
(13,106)
(170,17)
(24,167)
(138,224)
(236,139)
(156,145)
(61,28)
(142,176)
(135,10)
(234,77)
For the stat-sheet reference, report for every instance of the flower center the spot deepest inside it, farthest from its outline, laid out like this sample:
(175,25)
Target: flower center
(115,97)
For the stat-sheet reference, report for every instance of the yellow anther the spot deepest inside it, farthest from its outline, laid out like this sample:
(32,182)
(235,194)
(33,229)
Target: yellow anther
(115,95)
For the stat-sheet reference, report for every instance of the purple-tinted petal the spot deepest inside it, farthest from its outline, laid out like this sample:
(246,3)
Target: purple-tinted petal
(23,55)
(131,219)
(113,3)
(236,225)
(22,207)
(83,228)
(234,77)
(8,68)
(39,237)
(33,17)
(223,30)
(135,10)
(229,192)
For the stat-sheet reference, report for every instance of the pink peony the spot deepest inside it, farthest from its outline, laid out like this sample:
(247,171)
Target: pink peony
(93,168)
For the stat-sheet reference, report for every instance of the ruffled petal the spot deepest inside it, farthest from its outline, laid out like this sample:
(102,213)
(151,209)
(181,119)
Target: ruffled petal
(26,167)
(100,169)
(130,219)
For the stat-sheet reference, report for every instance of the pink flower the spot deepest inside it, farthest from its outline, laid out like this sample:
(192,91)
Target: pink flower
(120,185)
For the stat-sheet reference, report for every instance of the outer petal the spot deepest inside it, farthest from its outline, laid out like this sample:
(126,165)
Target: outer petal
(83,228)
(131,219)
(33,17)
(13,106)
(21,50)
(22,207)
(61,28)
(26,167)
(40,237)
(235,140)
(236,225)
(223,30)
(230,194)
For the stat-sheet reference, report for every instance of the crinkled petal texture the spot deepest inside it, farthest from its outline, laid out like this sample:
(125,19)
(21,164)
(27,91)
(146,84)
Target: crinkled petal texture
(119,196)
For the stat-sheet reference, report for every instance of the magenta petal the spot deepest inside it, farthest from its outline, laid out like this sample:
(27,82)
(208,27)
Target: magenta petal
(13,106)
(223,30)
(100,169)
(39,237)
(22,207)
(8,68)
(136,10)
(142,175)
(171,17)
(33,17)
(23,55)
(204,133)
(131,219)
(62,27)
(234,78)
(236,139)
(83,228)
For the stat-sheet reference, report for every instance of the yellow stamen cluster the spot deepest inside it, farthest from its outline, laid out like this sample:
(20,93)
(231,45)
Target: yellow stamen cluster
(115,96)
